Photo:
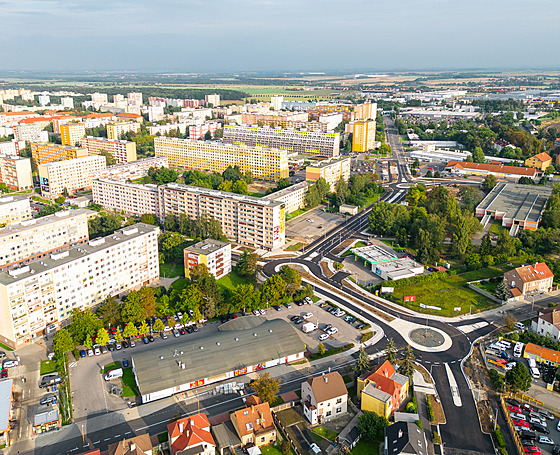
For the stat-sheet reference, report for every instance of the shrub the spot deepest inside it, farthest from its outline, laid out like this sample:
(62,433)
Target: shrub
(366,336)
(411,408)
(419,423)
(430,408)
(437,439)
(286,447)
(497,379)
(499,437)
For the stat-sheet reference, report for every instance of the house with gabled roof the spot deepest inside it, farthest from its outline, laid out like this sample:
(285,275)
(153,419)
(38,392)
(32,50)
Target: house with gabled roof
(324,397)
(405,438)
(191,436)
(529,280)
(254,424)
(547,323)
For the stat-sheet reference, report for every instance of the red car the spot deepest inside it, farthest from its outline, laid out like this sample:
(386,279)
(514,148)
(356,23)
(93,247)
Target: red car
(533,450)
(514,409)
(527,408)
(520,423)
(4,373)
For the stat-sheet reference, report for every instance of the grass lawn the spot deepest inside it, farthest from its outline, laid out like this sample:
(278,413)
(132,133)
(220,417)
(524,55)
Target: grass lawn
(365,448)
(111,366)
(47,367)
(129,384)
(171,270)
(326,433)
(271,450)
(294,247)
(7,348)
(278,400)
(232,279)
(179,284)
(359,244)
(255,194)
(315,298)
(294,214)
(488,286)
(448,293)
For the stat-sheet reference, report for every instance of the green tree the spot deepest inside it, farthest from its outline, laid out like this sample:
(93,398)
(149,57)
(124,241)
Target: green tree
(83,325)
(381,219)
(518,378)
(159,325)
(489,182)
(239,187)
(321,348)
(109,312)
(391,352)
(226,185)
(362,365)
(149,218)
(245,297)
(130,331)
(502,291)
(60,200)
(103,225)
(478,155)
(206,283)
(102,336)
(266,387)
(109,159)
(273,290)
(371,426)
(132,310)
(292,278)
(407,363)
(62,343)
(247,265)
(144,329)
(147,297)
(118,335)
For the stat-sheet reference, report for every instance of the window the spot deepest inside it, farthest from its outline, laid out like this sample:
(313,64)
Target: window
(338,410)
(329,413)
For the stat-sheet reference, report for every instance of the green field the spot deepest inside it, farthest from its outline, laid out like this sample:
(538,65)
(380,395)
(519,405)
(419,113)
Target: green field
(294,214)
(171,270)
(47,367)
(110,366)
(448,293)
(326,433)
(129,384)
(232,279)
(366,448)
(179,284)
(295,247)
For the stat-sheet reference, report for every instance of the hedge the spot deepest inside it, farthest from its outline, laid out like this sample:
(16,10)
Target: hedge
(430,408)
(530,337)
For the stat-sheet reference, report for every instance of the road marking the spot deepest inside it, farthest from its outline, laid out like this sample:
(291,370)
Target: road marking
(453,386)
(128,432)
(107,439)
(73,364)
(118,436)
(87,445)
(97,442)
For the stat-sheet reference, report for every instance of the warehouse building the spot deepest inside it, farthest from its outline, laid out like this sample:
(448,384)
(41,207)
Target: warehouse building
(483,169)
(387,265)
(517,206)
(241,346)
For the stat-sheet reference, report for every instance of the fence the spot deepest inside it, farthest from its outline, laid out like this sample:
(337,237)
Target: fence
(285,431)
(483,292)
(514,433)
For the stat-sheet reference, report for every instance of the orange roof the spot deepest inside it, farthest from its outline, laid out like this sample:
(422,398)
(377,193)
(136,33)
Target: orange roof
(525,171)
(543,353)
(19,113)
(128,114)
(92,452)
(542,157)
(539,271)
(247,419)
(382,378)
(189,432)
(30,120)
(100,115)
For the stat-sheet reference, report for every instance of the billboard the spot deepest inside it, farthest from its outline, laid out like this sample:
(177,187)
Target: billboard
(387,290)
(410,298)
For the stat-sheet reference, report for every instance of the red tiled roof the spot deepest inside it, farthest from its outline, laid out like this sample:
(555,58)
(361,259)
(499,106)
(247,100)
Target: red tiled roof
(543,353)
(539,271)
(542,157)
(19,113)
(382,378)
(200,421)
(516,170)
(247,419)
(128,114)
(193,433)
(99,115)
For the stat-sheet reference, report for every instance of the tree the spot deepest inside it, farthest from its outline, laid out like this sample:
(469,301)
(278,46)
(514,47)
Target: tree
(144,329)
(60,200)
(62,343)
(273,290)
(266,387)
(391,352)
(286,447)
(149,218)
(478,155)
(292,278)
(109,159)
(239,187)
(247,265)
(102,336)
(147,298)
(103,225)
(371,426)
(407,363)
(509,321)
(245,297)
(363,364)
(132,310)
(206,283)
(130,330)
(207,136)
(518,378)
(118,334)
(382,218)
(489,182)
(84,325)
(159,325)
(109,311)
(502,291)
(321,349)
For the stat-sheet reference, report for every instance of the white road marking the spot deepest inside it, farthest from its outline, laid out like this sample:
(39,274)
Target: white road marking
(107,439)
(97,442)
(453,386)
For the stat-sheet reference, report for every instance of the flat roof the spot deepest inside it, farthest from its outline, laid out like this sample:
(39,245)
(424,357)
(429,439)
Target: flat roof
(326,163)
(374,254)
(5,156)
(11,199)
(518,202)
(75,253)
(138,186)
(59,146)
(43,221)
(5,402)
(206,246)
(216,353)
(289,190)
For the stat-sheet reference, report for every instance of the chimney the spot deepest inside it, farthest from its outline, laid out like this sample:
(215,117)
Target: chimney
(386,373)
(181,427)
(132,447)
(325,378)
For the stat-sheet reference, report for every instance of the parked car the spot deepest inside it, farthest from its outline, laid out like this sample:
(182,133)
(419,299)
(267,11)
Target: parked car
(176,333)
(182,331)
(111,347)
(308,300)
(537,420)
(132,343)
(541,429)
(526,407)
(323,336)
(299,302)
(520,423)
(125,363)
(288,305)
(190,329)
(82,353)
(515,409)
(97,351)
(293,318)
(103,349)
(361,326)
(50,379)
(531,450)
(545,440)
(277,307)
(90,352)
(48,399)
(3,373)
(145,340)
(307,315)
(332,331)
(2,354)
(256,312)
(125,344)
(118,346)
(327,327)
(150,338)
(518,416)
(546,414)
(163,335)
(299,320)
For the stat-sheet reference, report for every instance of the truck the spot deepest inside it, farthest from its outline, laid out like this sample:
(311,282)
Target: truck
(308,327)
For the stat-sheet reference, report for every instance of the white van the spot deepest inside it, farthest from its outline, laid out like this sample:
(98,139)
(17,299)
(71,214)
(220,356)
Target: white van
(532,363)
(114,374)
(535,373)
(518,349)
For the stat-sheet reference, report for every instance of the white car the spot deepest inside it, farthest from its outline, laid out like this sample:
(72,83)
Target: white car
(309,220)
(308,300)
(324,336)
(256,312)
(538,421)
(262,312)
(332,331)
(339,313)
(558,426)
(307,315)
(545,440)
(97,351)
(90,352)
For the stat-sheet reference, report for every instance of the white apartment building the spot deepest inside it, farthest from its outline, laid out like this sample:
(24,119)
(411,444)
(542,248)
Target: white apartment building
(332,120)
(31,132)
(167,128)
(15,172)
(155,113)
(122,151)
(213,99)
(301,142)
(99,98)
(11,148)
(117,129)
(134,98)
(133,170)
(213,156)
(67,102)
(33,239)
(74,174)
(293,197)
(214,254)
(245,220)
(44,293)
(132,198)
(276,102)
(14,209)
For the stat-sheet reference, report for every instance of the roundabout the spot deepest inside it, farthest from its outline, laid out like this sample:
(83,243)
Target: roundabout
(428,338)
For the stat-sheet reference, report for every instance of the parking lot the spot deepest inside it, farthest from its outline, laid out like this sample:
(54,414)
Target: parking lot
(321,222)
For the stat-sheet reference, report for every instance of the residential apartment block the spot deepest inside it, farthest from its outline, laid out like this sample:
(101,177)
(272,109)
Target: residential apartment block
(365,111)
(331,170)
(115,130)
(133,170)
(199,131)
(47,152)
(15,172)
(363,135)
(265,163)
(132,198)
(45,292)
(293,196)
(11,147)
(347,110)
(245,220)
(14,209)
(214,254)
(72,175)
(31,132)
(301,142)
(213,99)
(33,239)
(273,118)
(13,118)
(540,161)
(72,133)
(122,151)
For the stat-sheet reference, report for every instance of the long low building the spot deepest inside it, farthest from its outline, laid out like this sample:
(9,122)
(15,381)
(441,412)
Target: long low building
(387,265)
(483,169)
(133,170)
(241,346)
(440,155)
(517,206)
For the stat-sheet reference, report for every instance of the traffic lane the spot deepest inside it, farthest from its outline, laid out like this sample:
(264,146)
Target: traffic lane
(462,428)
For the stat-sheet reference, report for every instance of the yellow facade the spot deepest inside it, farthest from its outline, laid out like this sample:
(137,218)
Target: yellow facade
(363,136)
(380,407)
(46,152)
(331,170)
(538,163)
(72,133)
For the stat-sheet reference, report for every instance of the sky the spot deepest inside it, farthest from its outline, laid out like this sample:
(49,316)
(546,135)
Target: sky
(278,35)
